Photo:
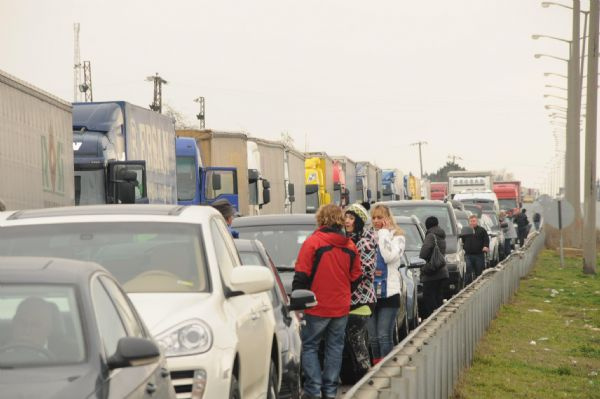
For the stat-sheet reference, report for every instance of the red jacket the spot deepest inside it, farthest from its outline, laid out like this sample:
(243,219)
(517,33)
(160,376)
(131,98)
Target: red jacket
(328,263)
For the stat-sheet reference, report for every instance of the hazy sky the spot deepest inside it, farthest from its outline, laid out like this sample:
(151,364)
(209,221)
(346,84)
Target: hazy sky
(356,78)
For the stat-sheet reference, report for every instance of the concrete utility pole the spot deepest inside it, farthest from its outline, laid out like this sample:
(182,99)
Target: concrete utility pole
(158,82)
(201,114)
(420,143)
(589,224)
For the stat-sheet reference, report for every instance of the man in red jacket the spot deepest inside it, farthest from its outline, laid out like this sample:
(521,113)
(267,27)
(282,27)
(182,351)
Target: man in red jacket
(329,265)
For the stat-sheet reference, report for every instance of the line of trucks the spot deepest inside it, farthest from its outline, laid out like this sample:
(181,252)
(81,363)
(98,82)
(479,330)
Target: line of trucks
(123,153)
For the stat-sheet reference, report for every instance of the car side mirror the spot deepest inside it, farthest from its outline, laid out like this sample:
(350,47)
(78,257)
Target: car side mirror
(416,263)
(251,279)
(133,351)
(302,299)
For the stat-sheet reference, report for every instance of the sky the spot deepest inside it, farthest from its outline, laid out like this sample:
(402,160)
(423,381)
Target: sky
(355,78)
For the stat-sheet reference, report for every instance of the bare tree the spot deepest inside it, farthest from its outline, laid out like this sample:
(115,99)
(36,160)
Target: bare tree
(179,120)
(287,139)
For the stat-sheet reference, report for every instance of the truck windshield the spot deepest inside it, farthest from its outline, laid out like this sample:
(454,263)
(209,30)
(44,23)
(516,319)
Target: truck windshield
(186,178)
(143,256)
(507,204)
(90,187)
(312,202)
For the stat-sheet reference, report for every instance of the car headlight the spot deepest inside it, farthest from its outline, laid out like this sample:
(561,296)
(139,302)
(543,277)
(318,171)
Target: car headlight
(452,258)
(188,338)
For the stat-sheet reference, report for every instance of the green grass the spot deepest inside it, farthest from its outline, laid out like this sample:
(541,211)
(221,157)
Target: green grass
(565,360)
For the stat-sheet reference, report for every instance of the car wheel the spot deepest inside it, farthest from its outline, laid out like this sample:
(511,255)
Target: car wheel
(272,387)
(415,321)
(296,387)
(404,329)
(234,388)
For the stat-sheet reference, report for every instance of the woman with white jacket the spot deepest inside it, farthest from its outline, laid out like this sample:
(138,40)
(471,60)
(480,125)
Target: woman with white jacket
(388,282)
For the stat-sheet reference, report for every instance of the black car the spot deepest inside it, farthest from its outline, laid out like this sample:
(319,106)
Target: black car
(444,212)
(282,236)
(252,252)
(67,330)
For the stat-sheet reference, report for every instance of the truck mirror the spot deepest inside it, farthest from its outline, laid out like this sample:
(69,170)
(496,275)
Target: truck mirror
(216,182)
(369,195)
(292,198)
(266,194)
(252,175)
(396,197)
(126,192)
(127,175)
(266,184)
(291,190)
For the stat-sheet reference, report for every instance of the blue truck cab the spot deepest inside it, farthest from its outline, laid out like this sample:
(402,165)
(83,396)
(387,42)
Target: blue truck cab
(123,154)
(200,185)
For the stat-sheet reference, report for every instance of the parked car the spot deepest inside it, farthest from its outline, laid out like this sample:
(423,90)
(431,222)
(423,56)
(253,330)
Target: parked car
(493,257)
(180,268)
(474,209)
(422,209)
(497,230)
(252,252)
(415,235)
(462,218)
(67,330)
(282,237)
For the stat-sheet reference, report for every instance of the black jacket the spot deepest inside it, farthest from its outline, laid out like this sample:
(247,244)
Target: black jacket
(427,250)
(521,221)
(473,244)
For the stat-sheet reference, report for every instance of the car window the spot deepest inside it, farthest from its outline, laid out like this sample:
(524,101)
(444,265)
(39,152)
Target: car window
(139,254)
(39,325)
(225,259)
(413,237)
(132,324)
(109,322)
(422,212)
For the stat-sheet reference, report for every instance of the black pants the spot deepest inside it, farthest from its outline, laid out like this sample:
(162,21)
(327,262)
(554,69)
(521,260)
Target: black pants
(355,358)
(522,233)
(433,295)
(475,266)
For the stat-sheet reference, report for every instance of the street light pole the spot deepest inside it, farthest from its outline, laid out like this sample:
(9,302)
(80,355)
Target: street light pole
(589,223)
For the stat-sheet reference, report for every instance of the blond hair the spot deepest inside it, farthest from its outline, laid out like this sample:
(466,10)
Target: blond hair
(330,215)
(384,211)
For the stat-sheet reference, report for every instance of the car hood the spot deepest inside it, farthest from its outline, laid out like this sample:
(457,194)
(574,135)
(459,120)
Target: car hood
(48,382)
(161,311)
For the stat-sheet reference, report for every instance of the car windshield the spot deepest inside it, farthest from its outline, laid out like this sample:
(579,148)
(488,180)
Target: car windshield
(282,242)
(413,237)
(508,204)
(484,204)
(40,325)
(143,256)
(422,212)
(494,222)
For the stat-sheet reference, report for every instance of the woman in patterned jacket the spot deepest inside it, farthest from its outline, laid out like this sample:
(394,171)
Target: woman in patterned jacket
(356,361)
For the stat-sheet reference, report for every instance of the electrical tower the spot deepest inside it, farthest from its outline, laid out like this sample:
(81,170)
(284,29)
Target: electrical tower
(200,115)
(157,102)
(453,158)
(420,144)
(76,64)
(86,86)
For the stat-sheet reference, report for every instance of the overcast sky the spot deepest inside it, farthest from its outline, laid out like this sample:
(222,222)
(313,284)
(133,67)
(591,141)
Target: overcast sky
(355,78)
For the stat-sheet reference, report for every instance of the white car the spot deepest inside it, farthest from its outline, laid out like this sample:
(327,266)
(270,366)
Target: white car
(212,317)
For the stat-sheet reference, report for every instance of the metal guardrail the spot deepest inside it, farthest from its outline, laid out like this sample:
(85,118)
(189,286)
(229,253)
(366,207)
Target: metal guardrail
(427,363)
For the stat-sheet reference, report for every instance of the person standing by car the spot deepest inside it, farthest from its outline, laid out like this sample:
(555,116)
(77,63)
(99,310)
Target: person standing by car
(433,282)
(510,233)
(328,264)
(356,361)
(228,211)
(537,219)
(476,245)
(390,247)
(522,226)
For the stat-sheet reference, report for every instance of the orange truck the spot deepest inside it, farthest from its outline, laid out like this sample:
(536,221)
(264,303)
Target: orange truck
(509,194)
(439,190)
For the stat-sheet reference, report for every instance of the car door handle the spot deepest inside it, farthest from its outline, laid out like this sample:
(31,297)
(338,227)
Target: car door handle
(150,388)
(255,315)
(265,308)
(164,373)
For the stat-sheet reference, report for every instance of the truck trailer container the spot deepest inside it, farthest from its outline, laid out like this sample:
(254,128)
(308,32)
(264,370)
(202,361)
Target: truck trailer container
(469,181)
(348,169)
(295,175)
(319,180)
(509,194)
(36,138)
(439,190)
(393,186)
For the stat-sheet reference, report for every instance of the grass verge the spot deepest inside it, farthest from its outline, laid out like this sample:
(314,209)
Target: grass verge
(545,343)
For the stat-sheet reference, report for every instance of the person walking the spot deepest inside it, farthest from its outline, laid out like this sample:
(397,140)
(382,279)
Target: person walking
(434,283)
(537,219)
(228,211)
(522,226)
(328,264)
(510,233)
(355,360)
(475,245)
(388,282)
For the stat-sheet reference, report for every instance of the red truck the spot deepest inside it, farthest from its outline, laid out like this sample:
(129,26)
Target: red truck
(509,194)
(439,190)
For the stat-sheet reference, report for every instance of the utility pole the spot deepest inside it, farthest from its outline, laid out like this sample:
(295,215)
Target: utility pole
(200,115)
(591,123)
(76,63)
(420,144)
(86,86)
(157,102)
(453,158)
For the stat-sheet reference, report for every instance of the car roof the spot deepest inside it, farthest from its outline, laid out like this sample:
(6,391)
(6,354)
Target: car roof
(263,220)
(29,269)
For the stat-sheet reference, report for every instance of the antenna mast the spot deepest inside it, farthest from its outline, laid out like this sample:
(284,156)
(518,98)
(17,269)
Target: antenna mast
(76,64)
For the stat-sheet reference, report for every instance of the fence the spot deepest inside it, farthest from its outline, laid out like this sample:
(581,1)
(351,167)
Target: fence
(428,362)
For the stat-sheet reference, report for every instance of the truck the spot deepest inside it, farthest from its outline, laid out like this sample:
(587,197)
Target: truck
(413,185)
(509,194)
(469,181)
(425,189)
(319,180)
(347,169)
(36,135)
(201,185)
(295,183)
(232,151)
(439,190)
(123,153)
(529,194)
(366,182)
(393,187)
